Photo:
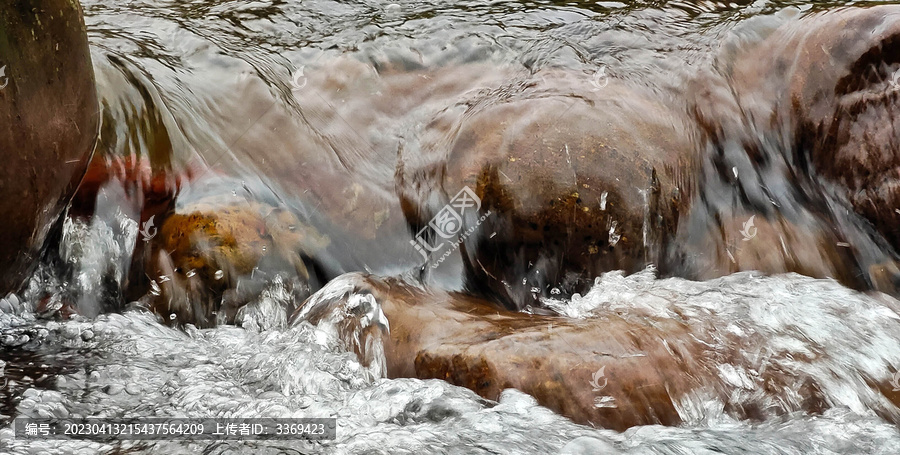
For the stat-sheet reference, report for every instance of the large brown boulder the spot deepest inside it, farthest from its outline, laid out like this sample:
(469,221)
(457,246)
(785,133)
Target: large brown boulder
(575,180)
(640,368)
(802,119)
(611,370)
(49,118)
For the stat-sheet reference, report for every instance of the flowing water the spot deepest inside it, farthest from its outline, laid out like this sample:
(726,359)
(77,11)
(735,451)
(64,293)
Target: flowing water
(186,81)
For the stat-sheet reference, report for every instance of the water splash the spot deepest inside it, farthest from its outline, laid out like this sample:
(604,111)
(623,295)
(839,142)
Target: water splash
(130,365)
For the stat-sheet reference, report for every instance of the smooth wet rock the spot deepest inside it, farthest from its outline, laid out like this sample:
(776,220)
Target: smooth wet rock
(812,105)
(843,85)
(470,343)
(49,118)
(616,369)
(564,182)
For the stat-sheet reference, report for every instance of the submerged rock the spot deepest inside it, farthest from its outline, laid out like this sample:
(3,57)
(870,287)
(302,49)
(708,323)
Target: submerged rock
(212,256)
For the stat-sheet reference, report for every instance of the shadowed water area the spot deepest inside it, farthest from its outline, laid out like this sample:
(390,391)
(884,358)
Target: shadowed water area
(330,125)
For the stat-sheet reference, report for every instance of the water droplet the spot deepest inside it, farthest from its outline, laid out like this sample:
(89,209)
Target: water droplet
(191,273)
(535,290)
(613,236)
(219,274)
(172,316)
(555,291)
